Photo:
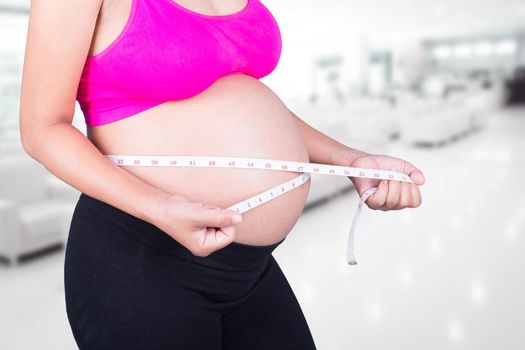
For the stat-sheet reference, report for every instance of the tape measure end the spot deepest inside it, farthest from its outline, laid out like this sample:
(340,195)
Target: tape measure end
(352,263)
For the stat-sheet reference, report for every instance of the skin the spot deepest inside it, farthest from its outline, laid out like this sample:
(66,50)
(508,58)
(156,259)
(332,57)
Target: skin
(186,203)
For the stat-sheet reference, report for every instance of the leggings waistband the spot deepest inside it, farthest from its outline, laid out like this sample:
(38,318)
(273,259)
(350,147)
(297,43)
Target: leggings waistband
(235,256)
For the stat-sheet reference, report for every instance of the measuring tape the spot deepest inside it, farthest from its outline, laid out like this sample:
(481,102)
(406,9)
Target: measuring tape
(271,164)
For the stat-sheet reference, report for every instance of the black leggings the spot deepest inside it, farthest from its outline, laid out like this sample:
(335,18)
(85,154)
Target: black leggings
(128,285)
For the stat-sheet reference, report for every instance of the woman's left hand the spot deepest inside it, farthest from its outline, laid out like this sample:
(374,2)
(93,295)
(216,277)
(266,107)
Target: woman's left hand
(390,194)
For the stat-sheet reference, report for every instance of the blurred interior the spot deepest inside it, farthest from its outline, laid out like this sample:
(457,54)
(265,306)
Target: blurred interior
(438,83)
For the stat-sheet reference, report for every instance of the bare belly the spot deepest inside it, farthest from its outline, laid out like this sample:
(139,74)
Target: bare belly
(238,116)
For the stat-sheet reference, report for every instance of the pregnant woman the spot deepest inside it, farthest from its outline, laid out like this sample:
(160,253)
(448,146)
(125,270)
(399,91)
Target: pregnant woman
(154,258)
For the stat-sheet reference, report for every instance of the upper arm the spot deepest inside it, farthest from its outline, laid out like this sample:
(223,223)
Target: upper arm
(58,40)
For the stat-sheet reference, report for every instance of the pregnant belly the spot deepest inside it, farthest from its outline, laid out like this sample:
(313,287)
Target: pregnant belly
(238,116)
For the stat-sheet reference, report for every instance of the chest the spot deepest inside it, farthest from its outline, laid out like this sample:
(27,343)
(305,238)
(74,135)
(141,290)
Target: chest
(169,52)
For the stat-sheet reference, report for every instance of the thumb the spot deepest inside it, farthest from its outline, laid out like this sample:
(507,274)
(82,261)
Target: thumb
(216,217)
(416,175)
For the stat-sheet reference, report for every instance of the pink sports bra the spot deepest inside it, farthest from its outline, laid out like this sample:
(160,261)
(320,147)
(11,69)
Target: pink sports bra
(168,52)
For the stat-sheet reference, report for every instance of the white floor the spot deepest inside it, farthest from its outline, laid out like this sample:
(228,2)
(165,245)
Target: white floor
(446,275)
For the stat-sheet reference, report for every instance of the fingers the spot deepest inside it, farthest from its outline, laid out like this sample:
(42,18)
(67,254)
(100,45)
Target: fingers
(210,231)
(405,197)
(212,240)
(416,196)
(378,199)
(395,195)
(218,238)
(228,231)
(390,195)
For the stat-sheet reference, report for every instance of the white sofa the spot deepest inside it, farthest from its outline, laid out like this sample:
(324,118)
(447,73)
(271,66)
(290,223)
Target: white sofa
(35,207)
(435,121)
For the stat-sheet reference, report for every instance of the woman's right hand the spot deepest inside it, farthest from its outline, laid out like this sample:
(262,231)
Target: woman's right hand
(201,228)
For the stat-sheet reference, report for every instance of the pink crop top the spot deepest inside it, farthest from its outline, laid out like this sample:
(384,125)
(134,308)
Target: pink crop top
(168,52)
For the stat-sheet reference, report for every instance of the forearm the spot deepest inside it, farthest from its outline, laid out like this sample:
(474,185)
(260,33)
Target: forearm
(69,154)
(322,148)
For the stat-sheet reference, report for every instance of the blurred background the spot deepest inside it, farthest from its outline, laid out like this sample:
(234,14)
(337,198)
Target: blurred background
(439,83)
